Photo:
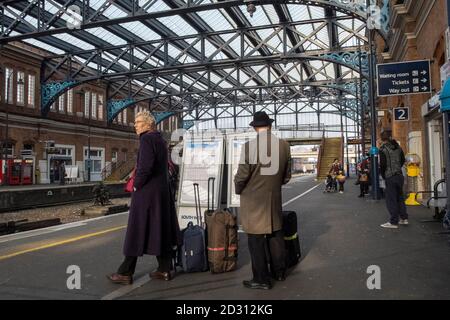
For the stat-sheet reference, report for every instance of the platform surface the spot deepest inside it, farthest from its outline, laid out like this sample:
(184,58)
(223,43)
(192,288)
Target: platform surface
(340,238)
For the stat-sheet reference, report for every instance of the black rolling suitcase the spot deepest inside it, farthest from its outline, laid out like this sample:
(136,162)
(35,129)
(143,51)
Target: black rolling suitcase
(192,255)
(291,240)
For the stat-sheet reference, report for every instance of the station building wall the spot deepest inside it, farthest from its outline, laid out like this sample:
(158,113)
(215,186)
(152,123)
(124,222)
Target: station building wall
(78,116)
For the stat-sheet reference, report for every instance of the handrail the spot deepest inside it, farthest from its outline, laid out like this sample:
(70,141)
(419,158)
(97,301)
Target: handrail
(319,159)
(435,196)
(109,168)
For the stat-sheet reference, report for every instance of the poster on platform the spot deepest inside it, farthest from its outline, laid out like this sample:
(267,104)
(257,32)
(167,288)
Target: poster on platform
(202,159)
(234,149)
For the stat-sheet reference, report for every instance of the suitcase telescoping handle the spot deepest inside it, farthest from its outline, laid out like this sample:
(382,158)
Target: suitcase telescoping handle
(197,202)
(211,193)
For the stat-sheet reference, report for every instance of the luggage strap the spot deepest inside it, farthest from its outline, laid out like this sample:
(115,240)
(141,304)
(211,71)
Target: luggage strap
(230,248)
(294,236)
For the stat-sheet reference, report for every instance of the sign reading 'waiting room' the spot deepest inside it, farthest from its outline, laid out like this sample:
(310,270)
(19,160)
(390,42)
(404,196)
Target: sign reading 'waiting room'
(411,77)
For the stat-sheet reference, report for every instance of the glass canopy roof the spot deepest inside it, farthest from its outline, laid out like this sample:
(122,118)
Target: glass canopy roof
(318,29)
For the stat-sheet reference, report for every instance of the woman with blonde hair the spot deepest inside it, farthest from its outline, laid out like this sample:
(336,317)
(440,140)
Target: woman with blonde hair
(152,224)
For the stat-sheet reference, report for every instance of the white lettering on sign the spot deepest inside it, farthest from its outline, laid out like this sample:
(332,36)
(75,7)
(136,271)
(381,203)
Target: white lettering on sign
(400,82)
(388,76)
(394,91)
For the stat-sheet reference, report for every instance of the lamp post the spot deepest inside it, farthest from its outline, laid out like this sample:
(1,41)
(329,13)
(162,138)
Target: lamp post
(374,151)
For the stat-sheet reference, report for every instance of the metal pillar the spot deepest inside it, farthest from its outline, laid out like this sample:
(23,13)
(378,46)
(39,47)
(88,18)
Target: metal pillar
(447,153)
(346,144)
(447,135)
(374,151)
(363,104)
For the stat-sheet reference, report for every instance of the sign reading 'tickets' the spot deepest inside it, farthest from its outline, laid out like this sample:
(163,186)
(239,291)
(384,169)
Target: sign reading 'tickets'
(410,77)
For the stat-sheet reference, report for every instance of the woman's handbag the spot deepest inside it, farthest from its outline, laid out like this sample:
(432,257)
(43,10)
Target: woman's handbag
(341,178)
(363,177)
(129,185)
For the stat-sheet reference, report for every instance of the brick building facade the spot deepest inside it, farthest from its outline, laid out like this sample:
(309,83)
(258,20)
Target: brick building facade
(77,121)
(418,32)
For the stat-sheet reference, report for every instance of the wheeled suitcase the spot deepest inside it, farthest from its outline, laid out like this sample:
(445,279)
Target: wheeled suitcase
(291,240)
(192,253)
(222,235)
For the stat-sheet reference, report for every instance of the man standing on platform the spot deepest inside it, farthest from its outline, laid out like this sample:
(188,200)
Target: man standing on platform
(392,160)
(264,166)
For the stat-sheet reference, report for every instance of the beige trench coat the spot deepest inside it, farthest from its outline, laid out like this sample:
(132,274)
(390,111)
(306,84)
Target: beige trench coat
(258,181)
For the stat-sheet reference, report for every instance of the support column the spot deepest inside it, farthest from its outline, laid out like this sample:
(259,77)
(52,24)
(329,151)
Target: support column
(374,150)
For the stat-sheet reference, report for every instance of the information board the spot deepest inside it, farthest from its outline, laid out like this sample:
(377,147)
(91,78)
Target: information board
(399,78)
(234,148)
(202,159)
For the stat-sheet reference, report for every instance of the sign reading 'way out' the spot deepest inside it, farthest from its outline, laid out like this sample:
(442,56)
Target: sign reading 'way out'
(411,77)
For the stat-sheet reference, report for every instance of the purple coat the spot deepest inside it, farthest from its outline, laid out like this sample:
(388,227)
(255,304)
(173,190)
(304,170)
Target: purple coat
(152,224)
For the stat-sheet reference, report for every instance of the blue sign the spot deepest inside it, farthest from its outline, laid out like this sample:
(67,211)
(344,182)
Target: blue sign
(401,114)
(400,78)
(374,150)
(445,97)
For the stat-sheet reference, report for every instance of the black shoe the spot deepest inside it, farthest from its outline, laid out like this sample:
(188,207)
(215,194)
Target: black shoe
(256,285)
(361,196)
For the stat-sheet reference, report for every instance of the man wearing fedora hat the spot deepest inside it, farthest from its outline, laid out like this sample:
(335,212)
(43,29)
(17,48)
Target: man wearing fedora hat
(264,167)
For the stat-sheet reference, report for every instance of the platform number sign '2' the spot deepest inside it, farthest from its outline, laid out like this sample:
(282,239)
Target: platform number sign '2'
(401,114)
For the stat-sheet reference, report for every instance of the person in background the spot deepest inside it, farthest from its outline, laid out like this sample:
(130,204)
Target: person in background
(392,160)
(364,176)
(62,173)
(337,172)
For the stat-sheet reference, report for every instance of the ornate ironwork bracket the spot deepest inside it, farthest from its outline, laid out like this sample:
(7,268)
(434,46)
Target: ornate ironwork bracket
(350,59)
(354,89)
(161,116)
(51,91)
(187,124)
(114,106)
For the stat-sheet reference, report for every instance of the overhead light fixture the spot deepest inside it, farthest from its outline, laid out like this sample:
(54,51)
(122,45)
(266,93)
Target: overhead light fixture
(251,8)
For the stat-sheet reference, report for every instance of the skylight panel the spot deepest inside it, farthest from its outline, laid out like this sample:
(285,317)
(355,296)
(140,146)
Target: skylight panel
(228,18)
(107,36)
(299,12)
(215,20)
(178,25)
(44,46)
(316,12)
(142,31)
(112,12)
(271,14)
(74,41)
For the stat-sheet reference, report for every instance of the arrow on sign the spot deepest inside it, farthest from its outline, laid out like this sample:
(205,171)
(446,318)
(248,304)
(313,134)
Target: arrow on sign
(424,80)
(423,72)
(425,88)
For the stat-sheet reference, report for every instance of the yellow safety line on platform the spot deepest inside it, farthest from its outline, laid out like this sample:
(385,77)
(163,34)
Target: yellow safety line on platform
(54,244)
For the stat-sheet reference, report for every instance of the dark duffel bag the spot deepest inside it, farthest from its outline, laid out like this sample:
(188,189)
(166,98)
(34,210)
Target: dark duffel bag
(222,231)
(291,240)
(221,235)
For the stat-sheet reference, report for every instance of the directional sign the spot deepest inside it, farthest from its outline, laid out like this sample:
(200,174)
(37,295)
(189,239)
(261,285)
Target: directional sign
(400,78)
(401,114)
